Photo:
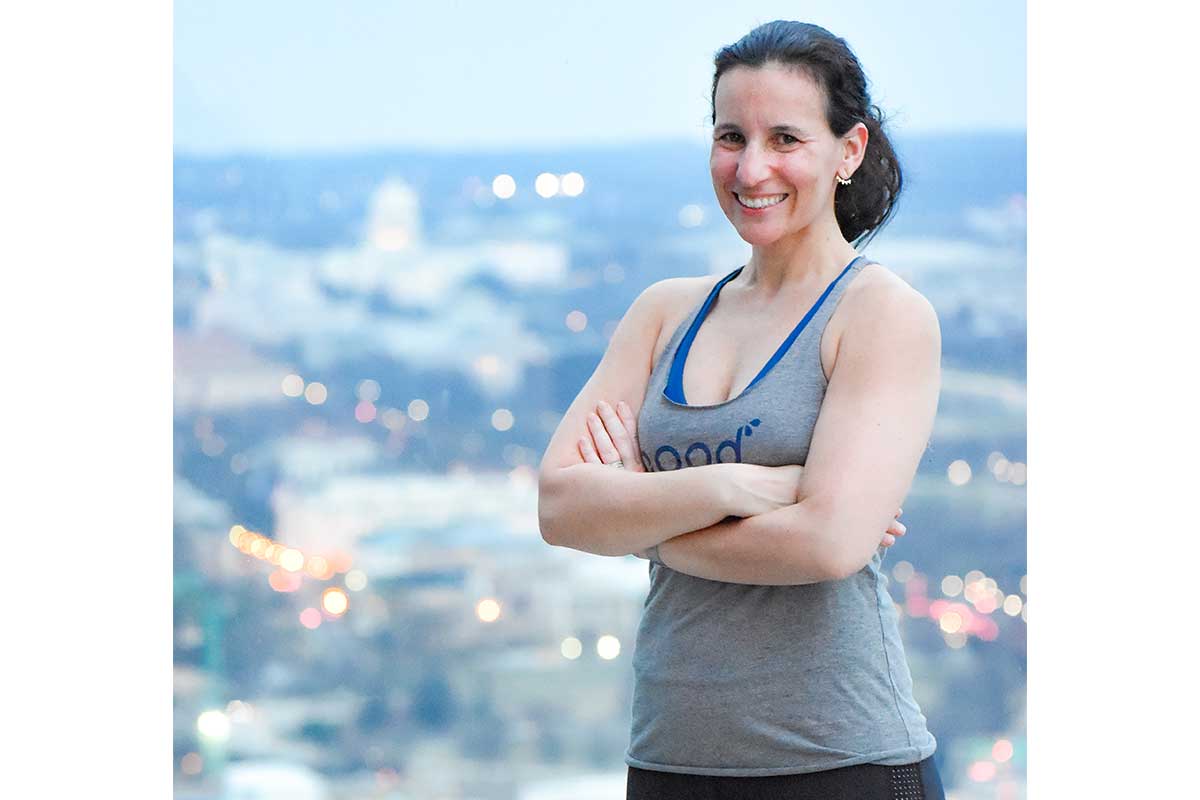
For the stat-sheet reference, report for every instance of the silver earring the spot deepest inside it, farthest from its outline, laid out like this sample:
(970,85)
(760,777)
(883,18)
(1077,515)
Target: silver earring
(843,181)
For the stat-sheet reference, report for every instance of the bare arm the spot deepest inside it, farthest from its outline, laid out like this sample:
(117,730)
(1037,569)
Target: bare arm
(615,512)
(778,548)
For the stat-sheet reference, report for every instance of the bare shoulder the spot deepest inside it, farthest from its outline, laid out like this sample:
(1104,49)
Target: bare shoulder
(881,296)
(669,294)
(672,299)
(879,303)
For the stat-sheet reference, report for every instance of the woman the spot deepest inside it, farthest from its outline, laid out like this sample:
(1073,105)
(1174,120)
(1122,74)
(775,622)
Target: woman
(768,661)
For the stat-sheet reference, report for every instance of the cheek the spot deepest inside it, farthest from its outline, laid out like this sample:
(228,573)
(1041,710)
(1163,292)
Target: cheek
(722,166)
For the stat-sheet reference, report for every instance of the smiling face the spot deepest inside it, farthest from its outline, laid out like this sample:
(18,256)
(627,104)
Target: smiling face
(774,159)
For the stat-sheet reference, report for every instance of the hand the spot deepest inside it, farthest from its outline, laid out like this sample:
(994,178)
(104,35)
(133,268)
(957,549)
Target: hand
(765,489)
(612,437)
(894,530)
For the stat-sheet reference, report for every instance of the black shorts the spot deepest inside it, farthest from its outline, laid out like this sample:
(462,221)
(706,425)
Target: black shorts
(919,781)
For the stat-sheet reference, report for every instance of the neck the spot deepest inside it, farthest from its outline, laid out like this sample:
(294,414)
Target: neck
(818,253)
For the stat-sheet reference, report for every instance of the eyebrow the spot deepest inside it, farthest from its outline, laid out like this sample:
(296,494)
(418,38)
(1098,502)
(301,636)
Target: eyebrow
(792,129)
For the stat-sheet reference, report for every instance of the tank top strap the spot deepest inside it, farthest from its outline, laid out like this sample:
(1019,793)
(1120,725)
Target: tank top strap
(821,313)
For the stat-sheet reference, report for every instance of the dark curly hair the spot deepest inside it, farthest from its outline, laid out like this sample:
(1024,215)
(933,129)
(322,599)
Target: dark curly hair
(867,204)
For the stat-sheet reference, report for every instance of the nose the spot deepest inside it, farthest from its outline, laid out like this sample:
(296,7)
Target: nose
(753,165)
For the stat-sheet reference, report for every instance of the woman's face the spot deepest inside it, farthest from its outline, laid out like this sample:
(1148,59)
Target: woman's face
(772,145)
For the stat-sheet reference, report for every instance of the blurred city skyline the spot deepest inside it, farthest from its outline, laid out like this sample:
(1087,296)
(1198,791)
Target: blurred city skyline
(309,77)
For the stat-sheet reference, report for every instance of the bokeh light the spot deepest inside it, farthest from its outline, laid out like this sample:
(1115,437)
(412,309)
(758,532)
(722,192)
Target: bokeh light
(576,321)
(608,647)
(986,603)
(310,618)
(1012,605)
(365,411)
(340,561)
(335,601)
(292,560)
(213,724)
(368,390)
(1017,474)
(1000,469)
(502,419)
(950,622)
(488,609)
(572,184)
(503,186)
(959,472)
(418,410)
(319,568)
(981,771)
(191,764)
(293,385)
(546,184)
(571,648)
(315,393)
(283,581)
(952,585)
(356,580)
(393,419)
(902,571)
(1002,750)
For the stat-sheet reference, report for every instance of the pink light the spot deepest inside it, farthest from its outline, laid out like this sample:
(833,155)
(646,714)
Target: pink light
(985,628)
(915,601)
(981,771)
(310,618)
(916,607)
(283,581)
(365,411)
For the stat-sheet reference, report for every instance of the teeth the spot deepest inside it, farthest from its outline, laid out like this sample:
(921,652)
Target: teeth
(760,202)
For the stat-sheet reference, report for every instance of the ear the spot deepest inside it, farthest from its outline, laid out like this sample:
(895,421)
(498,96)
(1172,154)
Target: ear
(854,148)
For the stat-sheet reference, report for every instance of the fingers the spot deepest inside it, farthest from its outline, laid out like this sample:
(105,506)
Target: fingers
(888,540)
(588,451)
(604,444)
(897,528)
(628,419)
(618,432)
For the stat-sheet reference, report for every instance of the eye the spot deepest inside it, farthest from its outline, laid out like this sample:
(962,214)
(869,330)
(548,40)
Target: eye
(736,138)
(787,138)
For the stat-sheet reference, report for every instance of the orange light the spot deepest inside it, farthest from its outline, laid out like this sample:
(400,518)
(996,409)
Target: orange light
(334,601)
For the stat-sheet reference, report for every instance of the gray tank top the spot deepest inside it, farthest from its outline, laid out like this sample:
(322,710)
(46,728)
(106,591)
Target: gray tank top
(741,680)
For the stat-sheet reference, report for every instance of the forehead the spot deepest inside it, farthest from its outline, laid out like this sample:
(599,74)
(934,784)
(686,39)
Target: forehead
(771,94)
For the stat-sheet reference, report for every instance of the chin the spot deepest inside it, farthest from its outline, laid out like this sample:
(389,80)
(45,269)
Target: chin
(759,236)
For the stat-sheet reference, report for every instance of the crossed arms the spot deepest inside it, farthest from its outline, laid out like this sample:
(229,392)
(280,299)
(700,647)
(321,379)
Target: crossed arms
(874,422)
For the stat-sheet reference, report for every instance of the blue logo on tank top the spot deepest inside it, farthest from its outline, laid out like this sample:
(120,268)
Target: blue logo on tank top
(698,454)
